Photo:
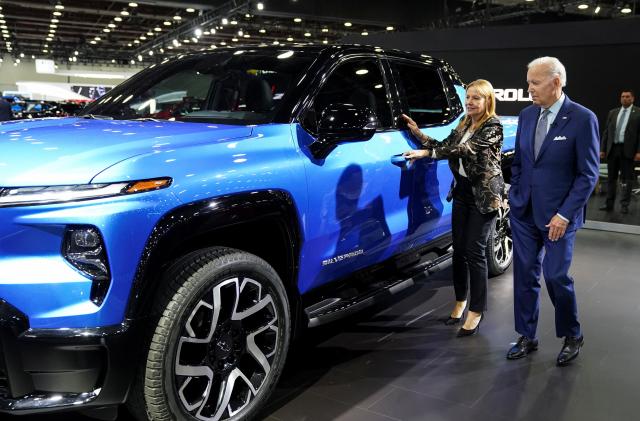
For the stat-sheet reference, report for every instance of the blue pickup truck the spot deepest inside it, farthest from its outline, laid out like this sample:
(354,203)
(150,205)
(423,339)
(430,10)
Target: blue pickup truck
(162,249)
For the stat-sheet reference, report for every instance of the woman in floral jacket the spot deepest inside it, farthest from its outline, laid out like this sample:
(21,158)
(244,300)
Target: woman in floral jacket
(474,152)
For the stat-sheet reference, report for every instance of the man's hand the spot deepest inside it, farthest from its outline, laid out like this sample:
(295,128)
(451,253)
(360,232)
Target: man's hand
(417,154)
(557,227)
(603,155)
(413,127)
(637,157)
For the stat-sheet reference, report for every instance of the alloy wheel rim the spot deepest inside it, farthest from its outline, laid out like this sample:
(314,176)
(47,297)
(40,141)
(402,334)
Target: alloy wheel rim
(502,242)
(226,349)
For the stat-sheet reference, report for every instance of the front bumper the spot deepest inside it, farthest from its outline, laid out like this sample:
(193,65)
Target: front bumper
(46,370)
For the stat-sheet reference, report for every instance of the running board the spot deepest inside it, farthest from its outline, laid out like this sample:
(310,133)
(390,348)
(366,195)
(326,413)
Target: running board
(334,308)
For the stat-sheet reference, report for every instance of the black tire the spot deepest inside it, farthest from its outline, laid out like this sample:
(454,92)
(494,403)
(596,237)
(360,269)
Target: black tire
(219,345)
(499,249)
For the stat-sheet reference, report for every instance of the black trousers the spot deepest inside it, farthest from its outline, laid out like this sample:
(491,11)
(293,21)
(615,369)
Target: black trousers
(470,234)
(618,163)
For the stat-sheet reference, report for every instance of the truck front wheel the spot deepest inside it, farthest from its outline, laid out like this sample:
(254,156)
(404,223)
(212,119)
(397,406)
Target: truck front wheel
(220,344)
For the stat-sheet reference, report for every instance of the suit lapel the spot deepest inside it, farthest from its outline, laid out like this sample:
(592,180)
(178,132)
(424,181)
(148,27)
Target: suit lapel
(561,120)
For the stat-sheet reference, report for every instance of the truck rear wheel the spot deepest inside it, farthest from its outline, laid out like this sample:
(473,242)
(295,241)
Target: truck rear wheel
(500,245)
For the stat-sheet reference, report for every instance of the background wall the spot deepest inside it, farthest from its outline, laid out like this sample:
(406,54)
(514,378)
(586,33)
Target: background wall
(601,57)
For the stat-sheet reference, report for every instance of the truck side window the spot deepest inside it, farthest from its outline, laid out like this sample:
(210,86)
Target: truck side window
(358,82)
(422,92)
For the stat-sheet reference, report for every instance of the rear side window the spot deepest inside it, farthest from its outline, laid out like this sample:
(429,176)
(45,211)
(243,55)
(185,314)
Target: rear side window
(358,82)
(422,92)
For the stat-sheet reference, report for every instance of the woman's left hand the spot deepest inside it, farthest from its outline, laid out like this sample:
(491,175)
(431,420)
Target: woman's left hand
(417,154)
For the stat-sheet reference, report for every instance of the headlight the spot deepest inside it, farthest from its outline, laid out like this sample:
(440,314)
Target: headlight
(27,196)
(83,247)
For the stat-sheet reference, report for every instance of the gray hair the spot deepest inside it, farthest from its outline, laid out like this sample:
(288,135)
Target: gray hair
(556,68)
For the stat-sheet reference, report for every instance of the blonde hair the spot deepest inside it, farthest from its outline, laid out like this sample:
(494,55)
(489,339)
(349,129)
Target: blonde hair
(485,89)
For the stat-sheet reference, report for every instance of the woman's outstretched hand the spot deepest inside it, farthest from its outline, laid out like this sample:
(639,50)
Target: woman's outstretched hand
(416,154)
(413,127)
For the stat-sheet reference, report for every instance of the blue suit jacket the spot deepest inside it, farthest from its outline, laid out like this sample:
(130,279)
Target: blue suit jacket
(563,176)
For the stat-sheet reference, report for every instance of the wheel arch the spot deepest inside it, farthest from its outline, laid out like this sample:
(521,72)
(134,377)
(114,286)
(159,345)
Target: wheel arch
(264,223)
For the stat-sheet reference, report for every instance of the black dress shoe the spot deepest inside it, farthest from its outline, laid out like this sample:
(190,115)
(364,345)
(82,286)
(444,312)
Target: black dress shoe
(606,208)
(462,332)
(625,209)
(522,348)
(570,349)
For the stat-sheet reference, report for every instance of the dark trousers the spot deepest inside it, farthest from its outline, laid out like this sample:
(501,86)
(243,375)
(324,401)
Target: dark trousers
(618,163)
(528,262)
(470,233)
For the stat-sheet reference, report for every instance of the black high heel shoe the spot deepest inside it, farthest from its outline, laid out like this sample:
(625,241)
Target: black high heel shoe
(450,321)
(462,332)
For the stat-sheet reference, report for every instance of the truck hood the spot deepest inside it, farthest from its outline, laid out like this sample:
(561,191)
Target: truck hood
(64,151)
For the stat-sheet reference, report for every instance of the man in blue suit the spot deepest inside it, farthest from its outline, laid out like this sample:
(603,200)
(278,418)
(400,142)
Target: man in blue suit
(554,171)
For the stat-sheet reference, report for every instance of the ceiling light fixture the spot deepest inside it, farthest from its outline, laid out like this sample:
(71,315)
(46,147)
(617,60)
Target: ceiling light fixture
(297,20)
(225,21)
(597,10)
(118,19)
(157,29)
(364,33)
(132,4)
(234,22)
(262,31)
(124,13)
(583,6)
(177,17)
(57,13)
(390,28)
(166,23)
(190,10)
(626,9)
(260,6)
(348,24)
(59,6)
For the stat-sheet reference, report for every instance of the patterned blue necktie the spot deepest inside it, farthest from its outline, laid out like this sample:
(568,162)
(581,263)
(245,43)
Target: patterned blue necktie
(541,132)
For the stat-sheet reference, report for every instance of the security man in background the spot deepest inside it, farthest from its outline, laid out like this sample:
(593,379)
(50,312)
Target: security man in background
(620,146)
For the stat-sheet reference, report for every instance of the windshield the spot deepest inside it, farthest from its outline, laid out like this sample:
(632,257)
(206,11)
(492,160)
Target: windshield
(230,87)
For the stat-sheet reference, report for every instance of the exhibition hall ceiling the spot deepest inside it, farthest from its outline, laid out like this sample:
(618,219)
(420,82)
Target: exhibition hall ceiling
(146,31)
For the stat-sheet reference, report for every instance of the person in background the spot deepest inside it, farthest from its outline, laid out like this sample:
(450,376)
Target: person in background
(474,152)
(554,171)
(620,146)
(5,110)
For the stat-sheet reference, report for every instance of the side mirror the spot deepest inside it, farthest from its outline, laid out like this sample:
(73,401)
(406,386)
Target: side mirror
(343,123)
